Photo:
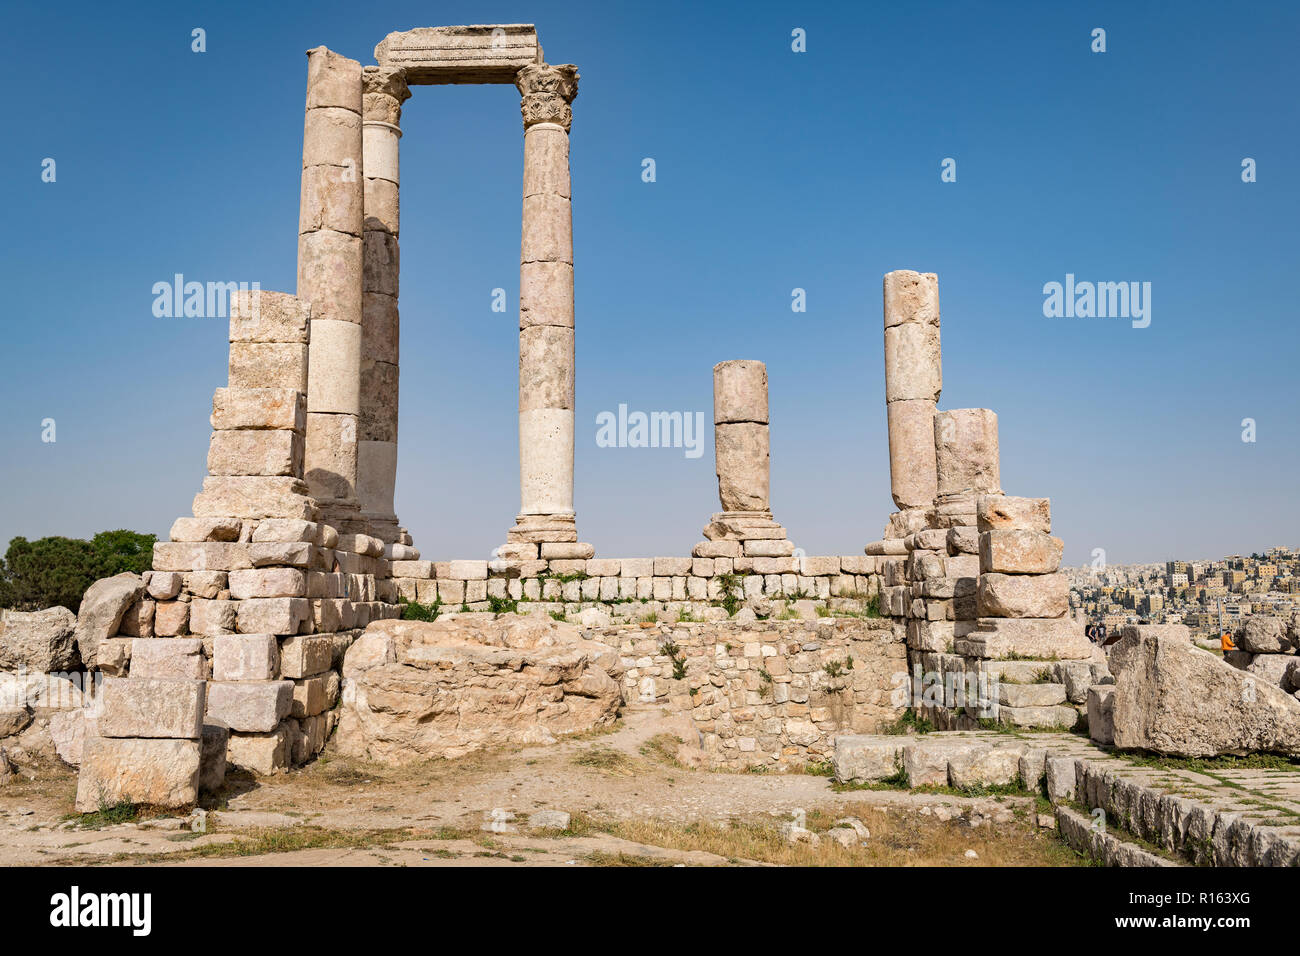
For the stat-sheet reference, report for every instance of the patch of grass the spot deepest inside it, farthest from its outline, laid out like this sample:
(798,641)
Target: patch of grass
(415,611)
(909,722)
(678,659)
(662,747)
(107,815)
(607,760)
(838,668)
(731,592)
(1211,766)
(503,605)
(558,615)
(601,858)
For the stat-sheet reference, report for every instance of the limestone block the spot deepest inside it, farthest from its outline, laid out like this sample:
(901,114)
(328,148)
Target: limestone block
(1030,695)
(268,583)
(488,53)
(262,754)
(245,657)
(926,762)
(310,737)
(546,294)
(101,611)
(380,150)
(258,315)
(546,367)
(147,707)
(1007,513)
(205,529)
(329,275)
(255,452)
(867,759)
(567,550)
(160,773)
(743,466)
(268,365)
(297,554)
(769,548)
(1058,717)
(331,136)
(250,706)
(1262,634)
(547,234)
(966,451)
(740,392)
(164,585)
(1019,552)
(985,766)
(1023,595)
(382,205)
(963,540)
(913,481)
(330,198)
(546,162)
(380,263)
(212,617)
(212,755)
(331,455)
(308,696)
(380,328)
(1101,724)
(1165,687)
(1060,638)
(911,297)
(333,80)
(467,570)
(912,363)
(200,556)
(255,497)
(280,615)
(179,658)
(285,530)
(546,437)
(38,641)
(306,656)
(335,375)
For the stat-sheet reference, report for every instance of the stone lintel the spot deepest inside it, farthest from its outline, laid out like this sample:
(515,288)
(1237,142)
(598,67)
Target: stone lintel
(484,53)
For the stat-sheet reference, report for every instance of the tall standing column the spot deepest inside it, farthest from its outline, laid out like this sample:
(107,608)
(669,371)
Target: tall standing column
(546,521)
(383,92)
(329,278)
(742,447)
(913,381)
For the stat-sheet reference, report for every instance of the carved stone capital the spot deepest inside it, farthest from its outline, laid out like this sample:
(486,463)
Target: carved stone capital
(547,92)
(379,79)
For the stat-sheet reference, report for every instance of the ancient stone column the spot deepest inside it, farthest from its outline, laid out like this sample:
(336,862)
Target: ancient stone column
(966,460)
(383,92)
(742,448)
(913,381)
(329,278)
(546,329)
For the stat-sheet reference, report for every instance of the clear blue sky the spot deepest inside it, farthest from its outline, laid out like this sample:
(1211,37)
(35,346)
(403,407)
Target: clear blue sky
(775,170)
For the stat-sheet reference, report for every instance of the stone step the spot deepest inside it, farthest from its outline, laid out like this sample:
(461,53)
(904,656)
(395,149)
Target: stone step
(1086,835)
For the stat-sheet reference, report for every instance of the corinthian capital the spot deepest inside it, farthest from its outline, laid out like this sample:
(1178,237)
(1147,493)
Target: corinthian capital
(547,92)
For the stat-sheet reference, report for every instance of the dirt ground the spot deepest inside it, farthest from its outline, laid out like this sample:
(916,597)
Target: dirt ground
(630,804)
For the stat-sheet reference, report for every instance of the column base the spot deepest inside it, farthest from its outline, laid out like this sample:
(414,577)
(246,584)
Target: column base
(344,516)
(543,537)
(743,533)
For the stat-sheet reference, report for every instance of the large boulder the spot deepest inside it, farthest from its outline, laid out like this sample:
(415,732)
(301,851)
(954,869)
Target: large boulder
(415,690)
(1174,698)
(102,607)
(1262,634)
(38,640)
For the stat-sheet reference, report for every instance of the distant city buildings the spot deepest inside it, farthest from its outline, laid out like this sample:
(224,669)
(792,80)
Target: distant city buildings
(1204,595)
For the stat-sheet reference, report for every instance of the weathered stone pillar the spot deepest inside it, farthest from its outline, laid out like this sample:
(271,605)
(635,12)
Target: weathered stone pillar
(742,447)
(383,92)
(546,327)
(913,381)
(329,278)
(966,463)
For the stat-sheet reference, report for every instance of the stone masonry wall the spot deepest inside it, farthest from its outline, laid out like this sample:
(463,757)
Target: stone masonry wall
(766,694)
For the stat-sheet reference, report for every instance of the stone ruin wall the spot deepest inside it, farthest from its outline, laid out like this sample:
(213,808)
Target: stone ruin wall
(294,547)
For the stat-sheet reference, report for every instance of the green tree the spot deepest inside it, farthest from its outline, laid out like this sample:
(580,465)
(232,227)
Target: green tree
(56,571)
